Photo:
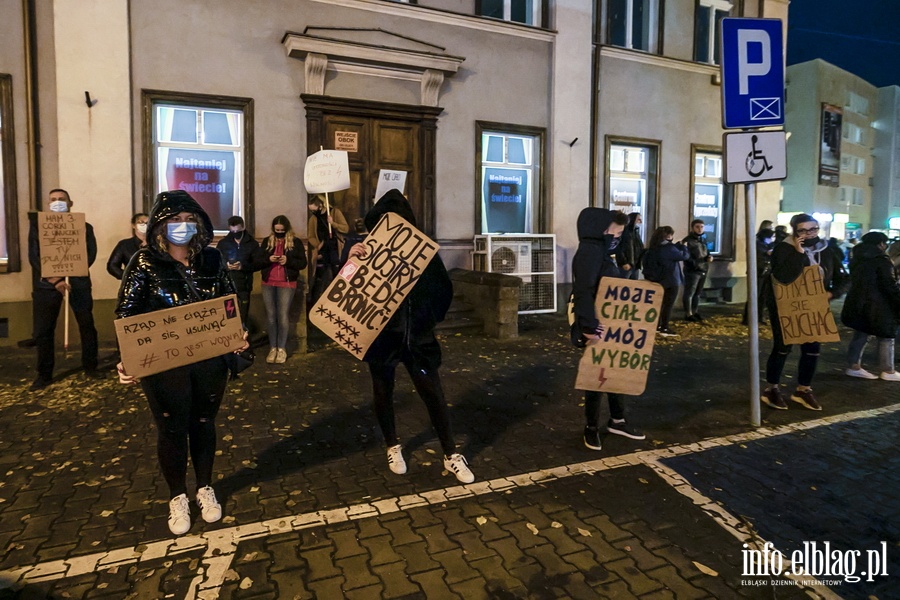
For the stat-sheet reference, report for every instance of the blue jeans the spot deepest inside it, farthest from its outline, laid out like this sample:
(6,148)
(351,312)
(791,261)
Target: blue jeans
(278,306)
(885,351)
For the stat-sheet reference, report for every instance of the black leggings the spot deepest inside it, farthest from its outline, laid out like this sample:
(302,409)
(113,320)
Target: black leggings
(665,313)
(592,407)
(428,385)
(809,356)
(184,402)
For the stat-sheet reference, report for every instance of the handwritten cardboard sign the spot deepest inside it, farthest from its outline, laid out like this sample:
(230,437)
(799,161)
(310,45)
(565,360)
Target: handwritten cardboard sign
(390,180)
(326,171)
(63,242)
(803,311)
(367,291)
(619,361)
(174,337)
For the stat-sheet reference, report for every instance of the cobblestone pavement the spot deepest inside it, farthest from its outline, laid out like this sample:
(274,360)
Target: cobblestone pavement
(312,511)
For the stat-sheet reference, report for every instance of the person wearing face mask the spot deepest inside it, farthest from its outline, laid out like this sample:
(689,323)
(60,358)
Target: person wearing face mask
(598,230)
(631,248)
(175,268)
(325,245)
(765,238)
(47,300)
(281,257)
(661,265)
(126,248)
(237,248)
(802,249)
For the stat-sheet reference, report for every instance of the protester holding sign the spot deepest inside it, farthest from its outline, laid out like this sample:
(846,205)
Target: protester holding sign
(598,229)
(802,249)
(872,307)
(176,268)
(409,338)
(326,231)
(126,248)
(48,295)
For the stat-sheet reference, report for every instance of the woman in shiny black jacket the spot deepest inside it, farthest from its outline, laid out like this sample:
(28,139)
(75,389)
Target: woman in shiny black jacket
(175,268)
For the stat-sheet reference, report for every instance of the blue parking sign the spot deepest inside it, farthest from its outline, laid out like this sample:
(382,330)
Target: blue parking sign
(752,73)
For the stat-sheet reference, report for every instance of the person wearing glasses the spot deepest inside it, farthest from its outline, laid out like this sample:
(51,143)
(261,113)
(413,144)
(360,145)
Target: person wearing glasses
(802,249)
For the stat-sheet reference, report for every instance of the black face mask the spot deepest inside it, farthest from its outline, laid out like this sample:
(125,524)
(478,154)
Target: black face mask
(612,242)
(280,235)
(810,242)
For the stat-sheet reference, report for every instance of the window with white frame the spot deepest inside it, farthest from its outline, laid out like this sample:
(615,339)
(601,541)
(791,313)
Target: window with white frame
(9,230)
(529,12)
(634,24)
(631,186)
(712,202)
(201,148)
(858,104)
(852,195)
(860,166)
(853,133)
(707,16)
(510,179)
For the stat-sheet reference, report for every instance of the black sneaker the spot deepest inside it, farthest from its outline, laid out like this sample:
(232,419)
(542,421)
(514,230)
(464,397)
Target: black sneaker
(94,374)
(667,332)
(806,399)
(39,384)
(592,438)
(625,430)
(773,398)
(698,318)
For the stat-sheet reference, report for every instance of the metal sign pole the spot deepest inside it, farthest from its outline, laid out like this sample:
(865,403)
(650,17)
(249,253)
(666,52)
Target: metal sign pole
(752,304)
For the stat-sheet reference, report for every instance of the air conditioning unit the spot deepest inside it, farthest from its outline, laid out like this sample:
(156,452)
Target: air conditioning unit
(531,257)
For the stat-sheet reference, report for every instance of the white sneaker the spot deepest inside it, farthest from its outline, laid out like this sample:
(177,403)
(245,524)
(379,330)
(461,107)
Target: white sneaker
(895,376)
(861,373)
(280,356)
(210,509)
(270,358)
(179,514)
(395,460)
(456,464)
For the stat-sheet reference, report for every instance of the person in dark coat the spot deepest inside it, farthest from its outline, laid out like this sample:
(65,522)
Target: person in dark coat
(127,248)
(48,294)
(661,264)
(237,249)
(764,242)
(408,338)
(872,306)
(175,268)
(695,270)
(598,229)
(631,248)
(802,249)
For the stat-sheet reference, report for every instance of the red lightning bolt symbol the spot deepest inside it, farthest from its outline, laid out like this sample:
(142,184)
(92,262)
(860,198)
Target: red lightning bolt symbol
(602,377)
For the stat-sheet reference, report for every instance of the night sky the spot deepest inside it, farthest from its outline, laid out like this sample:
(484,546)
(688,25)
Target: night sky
(859,36)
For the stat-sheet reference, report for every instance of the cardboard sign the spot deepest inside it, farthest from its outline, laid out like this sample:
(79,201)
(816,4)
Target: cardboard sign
(326,171)
(63,242)
(803,311)
(174,337)
(367,291)
(346,140)
(390,180)
(619,361)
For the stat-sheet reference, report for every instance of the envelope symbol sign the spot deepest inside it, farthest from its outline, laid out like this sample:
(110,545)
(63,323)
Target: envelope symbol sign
(762,109)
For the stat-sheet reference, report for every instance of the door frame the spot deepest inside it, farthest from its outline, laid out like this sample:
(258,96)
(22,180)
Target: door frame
(318,107)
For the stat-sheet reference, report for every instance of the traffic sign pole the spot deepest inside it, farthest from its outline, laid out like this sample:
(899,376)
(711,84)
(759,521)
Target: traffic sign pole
(752,305)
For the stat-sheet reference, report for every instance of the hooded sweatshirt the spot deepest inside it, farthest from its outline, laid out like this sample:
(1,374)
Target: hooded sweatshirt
(873,302)
(590,264)
(153,280)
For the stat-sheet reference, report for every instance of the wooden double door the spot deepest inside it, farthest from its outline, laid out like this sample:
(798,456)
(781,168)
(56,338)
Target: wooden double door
(377,136)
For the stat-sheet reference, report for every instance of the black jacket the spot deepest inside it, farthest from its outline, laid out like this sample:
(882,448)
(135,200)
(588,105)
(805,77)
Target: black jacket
(239,248)
(412,325)
(631,246)
(590,264)
(153,280)
(873,302)
(34,257)
(296,260)
(696,245)
(661,264)
(121,254)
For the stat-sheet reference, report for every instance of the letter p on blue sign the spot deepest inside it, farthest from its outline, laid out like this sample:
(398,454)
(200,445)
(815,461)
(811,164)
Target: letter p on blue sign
(752,64)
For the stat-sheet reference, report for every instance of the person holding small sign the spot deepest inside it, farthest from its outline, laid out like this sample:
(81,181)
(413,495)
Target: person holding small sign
(127,248)
(409,338)
(176,268)
(326,230)
(598,230)
(802,249)
(47,300)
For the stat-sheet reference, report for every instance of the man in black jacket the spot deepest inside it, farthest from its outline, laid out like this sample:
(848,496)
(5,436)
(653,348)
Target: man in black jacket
(47,299)
(695,269)
(126,248)
(237,249)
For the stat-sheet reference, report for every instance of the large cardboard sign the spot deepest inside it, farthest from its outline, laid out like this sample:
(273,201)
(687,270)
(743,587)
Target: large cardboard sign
(620,360)
(803,311)
(326,171)
(367,291)
(62,238)
(165,339)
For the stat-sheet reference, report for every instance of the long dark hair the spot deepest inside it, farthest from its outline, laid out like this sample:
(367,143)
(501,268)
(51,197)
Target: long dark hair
(289,234)
(660,235)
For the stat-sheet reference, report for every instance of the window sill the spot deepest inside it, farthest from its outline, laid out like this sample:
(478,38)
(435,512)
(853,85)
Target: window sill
(658,60)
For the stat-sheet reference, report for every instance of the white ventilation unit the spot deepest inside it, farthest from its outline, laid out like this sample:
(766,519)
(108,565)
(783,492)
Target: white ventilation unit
(531,257)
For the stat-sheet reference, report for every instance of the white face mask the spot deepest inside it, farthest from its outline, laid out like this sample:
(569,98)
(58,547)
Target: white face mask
(141,228)
(59,206)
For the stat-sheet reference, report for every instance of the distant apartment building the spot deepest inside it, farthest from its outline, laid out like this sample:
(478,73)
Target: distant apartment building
(886,162)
